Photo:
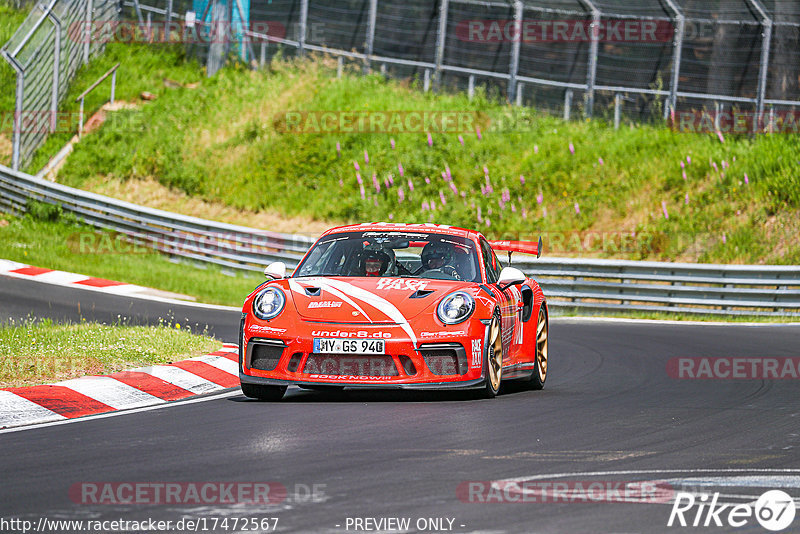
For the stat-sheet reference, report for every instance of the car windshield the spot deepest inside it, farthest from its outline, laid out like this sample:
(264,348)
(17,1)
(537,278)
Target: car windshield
(393,253)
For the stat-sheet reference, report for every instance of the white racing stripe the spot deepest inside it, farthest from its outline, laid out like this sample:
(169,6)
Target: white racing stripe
(376,302)
(61,277)
(16,410)
(181,378)
(297,288)
(220,362)
(111,392)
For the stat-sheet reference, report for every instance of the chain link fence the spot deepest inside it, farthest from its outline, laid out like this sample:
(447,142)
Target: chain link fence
(645,60)
(45,52)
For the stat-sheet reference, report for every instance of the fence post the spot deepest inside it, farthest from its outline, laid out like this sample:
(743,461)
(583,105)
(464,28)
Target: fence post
(567,103)
(427,81)
(339,67)
(15,155)
(303,25)
(168,20)
(56,69)
(471,87)
(113,85)
(677,51)
(513,67)
(591,74)
(369,46)
(717,112)
(441,37)
(263,53)
(766,41)
(617,110)
(520,87)
(762,74)
(87,43)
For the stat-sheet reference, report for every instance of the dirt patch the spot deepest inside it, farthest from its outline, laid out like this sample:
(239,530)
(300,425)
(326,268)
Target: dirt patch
(150,193)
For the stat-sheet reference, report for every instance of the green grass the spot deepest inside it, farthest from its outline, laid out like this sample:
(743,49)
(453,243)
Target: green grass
(55,244)
(222,142)
(10,20)
(142,68)
(664,316)
(37,352)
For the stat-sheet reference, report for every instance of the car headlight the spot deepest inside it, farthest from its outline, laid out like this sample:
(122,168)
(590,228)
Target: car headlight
(455,307)
(269,303)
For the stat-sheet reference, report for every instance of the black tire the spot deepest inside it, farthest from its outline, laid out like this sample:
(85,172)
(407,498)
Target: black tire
(539,374)
(493,360)
(262,392)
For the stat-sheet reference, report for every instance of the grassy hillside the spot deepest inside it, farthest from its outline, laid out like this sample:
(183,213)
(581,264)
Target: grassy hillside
(589,189)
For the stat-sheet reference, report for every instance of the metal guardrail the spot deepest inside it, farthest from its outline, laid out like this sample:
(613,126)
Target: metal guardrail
(582,284)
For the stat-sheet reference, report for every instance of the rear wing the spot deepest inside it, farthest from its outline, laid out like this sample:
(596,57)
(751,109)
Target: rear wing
(523,247)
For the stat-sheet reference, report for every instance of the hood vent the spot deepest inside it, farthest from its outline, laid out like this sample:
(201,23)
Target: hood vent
(420,293)
(313,291)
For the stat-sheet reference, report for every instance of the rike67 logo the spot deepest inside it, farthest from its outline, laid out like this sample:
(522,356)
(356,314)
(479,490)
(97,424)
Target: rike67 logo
(774,511)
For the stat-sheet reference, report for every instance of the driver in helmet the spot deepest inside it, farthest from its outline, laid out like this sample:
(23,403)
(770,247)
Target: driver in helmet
(378,262)
(438,256)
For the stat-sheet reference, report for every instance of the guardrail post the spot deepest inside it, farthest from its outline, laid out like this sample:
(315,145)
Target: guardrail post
(471,87)
(567,103)
(441,37)
(513,67)
(301,41)
(427,80)
(718,107)
(369,45)
(617,110)
(339,67)
(520,88)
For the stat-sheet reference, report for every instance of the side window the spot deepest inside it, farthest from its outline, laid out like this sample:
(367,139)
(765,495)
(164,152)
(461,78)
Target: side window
(490,260)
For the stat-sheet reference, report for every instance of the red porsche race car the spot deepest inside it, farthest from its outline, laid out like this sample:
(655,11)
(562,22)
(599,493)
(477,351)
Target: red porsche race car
(383,305)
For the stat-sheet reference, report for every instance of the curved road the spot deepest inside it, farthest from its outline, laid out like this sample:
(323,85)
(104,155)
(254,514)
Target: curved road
(610,412)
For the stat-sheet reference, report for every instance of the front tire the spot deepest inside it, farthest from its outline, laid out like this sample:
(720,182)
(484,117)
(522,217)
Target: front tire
(493,360)
(539,374)
(262,392)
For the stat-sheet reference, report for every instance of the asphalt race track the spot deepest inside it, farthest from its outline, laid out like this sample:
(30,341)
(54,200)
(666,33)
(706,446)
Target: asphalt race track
(609,412)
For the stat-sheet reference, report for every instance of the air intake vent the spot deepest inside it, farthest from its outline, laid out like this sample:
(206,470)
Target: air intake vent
(265,357)
(420,293)
(313,291)
(445,359)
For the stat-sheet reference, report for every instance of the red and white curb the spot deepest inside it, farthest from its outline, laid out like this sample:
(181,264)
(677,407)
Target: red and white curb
(81,281)
(135,388)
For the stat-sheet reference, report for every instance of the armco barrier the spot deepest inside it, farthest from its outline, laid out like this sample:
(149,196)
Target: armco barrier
(582,284)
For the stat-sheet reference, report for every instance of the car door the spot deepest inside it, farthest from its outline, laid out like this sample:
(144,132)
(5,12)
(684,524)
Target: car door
(507,299)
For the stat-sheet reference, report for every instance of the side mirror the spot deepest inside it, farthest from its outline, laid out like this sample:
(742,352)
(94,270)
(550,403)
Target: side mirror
(510,276)
(275,270)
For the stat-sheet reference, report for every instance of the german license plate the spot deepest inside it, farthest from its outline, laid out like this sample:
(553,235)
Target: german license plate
(324,345)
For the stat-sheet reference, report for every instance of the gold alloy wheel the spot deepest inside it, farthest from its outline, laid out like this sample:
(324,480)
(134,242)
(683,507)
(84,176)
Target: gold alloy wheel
(541,347)
(495,355)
